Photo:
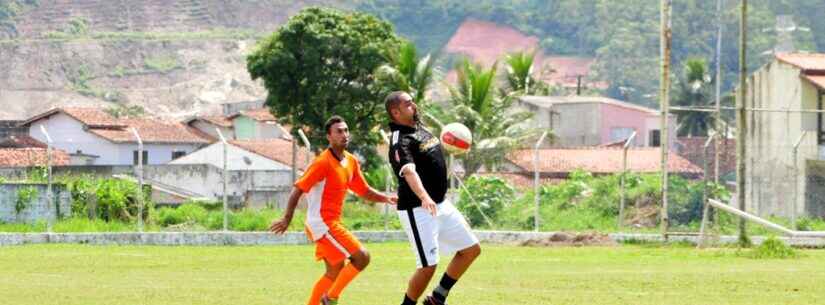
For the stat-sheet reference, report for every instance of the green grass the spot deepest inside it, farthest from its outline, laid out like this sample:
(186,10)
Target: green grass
(83,274)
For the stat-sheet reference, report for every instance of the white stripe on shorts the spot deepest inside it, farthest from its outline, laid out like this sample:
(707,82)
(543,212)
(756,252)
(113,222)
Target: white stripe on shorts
(337,244)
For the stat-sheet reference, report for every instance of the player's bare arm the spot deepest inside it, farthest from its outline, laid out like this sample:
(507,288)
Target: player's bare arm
(418,188)
(280,226)
(376,196)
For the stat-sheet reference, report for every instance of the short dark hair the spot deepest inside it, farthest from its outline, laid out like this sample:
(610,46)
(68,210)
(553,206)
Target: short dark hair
(392,101)
(335,119)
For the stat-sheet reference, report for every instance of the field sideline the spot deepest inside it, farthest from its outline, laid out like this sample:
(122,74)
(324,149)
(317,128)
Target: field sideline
(504,275)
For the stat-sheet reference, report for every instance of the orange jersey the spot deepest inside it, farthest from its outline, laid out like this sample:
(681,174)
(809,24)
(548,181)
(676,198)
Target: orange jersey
(326,183)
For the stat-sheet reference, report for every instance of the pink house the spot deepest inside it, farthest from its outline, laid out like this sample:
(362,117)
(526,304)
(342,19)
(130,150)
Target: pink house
(597,121)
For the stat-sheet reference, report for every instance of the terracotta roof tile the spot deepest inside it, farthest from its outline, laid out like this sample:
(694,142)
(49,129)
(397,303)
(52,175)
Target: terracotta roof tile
(218,120)
(274,149)
(21,141)
(601,160)
(804,61)
(25,157)
(151,131)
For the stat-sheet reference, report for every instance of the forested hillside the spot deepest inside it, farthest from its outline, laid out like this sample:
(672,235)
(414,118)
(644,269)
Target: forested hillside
(623,35)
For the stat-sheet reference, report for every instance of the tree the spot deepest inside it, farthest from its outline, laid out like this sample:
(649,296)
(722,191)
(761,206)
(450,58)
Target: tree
(321,63)
(407,72)
(694,89)
(520,76)
(497,128)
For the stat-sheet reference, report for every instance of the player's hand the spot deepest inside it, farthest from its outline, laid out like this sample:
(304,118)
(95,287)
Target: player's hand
(392,199)
(280,226)
(429,205)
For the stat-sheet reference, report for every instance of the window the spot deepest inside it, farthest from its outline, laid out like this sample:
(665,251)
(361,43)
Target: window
(177,154)
(620,134)
(655,138)
(135,157)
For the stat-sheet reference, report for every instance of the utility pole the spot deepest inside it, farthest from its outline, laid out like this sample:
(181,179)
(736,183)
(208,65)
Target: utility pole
(664,98)
(718,114)
(741,123)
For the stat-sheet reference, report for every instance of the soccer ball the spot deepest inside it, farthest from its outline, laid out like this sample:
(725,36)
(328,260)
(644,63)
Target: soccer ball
(456,138)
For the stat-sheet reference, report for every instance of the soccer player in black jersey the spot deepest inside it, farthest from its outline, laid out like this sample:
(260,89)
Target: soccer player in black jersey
(431,222)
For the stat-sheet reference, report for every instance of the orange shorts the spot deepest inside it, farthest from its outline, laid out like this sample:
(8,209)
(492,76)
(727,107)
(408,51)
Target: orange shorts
(336,245)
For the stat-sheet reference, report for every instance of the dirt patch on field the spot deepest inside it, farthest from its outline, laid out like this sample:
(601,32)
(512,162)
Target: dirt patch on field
(565,239)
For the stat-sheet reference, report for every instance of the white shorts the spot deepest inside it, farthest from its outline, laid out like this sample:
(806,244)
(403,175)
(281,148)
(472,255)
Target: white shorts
(446,233)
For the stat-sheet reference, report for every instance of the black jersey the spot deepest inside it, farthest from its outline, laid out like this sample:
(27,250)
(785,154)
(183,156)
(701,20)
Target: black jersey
(419,148)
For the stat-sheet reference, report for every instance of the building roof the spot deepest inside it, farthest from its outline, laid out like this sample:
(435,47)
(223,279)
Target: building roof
(152,131)
(217,120)
(816,80)
(118,130)
(26,157)
(260,114)
(21,141)
(805,61)
(549,101)
(600,160)
(91,117)
(279,150)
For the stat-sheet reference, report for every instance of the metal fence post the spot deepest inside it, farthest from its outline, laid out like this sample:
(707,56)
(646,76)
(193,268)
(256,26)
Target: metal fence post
(225,181)
(795,202)
(49,202)
(139,174)
(623,177)
(536,215)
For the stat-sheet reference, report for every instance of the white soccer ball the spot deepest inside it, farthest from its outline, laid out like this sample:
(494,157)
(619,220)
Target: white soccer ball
(456,138)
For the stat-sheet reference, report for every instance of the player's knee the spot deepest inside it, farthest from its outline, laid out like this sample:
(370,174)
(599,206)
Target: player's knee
(472,252)
(428,271)
(361,259)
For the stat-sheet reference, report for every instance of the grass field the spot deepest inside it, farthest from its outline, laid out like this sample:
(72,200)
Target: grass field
(504,275)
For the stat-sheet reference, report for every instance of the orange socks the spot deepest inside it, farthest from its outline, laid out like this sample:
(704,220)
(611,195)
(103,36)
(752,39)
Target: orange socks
(344,278)
(321,286)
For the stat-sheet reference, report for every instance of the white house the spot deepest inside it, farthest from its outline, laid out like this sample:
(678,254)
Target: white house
(102,139)
(266,154)
(210,124)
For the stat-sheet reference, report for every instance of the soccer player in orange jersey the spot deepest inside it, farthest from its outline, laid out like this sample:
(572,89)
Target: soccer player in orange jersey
(326,182)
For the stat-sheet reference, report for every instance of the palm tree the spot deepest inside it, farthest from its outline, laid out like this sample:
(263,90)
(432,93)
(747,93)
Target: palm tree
(497,128)
(521,77)
(407,72)
(694,90)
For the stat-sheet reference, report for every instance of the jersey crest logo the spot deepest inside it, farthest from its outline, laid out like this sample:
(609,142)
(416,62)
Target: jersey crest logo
(432,142)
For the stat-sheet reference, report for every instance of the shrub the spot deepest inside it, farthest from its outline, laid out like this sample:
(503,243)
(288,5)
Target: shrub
(772,248)
(490,195)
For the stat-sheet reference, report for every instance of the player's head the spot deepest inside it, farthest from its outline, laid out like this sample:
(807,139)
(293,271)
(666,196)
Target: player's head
(337,132)
(401,108)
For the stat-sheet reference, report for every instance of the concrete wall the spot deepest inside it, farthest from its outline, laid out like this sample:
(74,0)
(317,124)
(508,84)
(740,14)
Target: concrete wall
(200,179)
(815,188)
(775,179)
(579,124)
(244,128)
(38,208)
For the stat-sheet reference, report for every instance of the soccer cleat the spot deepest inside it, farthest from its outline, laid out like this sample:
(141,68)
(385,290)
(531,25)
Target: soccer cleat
(431,300)
(325,300)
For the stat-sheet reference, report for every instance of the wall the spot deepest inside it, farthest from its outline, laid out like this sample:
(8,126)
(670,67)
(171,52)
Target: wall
(202,180)
(815,189)
(244,128)
(578,124)
(38,208)
(157,153)
(773,176)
